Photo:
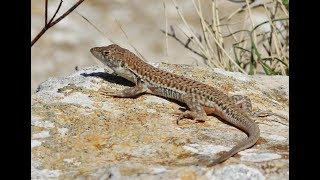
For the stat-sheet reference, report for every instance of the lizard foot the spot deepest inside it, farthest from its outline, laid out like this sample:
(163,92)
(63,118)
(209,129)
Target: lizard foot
(107,93)
(189,115)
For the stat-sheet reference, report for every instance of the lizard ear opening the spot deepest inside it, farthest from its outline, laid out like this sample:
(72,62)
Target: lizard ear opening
(122,64)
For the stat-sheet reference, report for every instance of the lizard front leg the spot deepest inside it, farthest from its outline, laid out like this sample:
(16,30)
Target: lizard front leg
(127,92)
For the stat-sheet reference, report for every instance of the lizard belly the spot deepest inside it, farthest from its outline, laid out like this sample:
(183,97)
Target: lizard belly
(166,92)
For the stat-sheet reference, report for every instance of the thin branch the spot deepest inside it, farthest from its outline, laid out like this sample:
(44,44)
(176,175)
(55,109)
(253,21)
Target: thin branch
(39,35)
(55,13)
(166,32)
(46,13)
(186,45)
(51,22)
(67,12)
(125,34)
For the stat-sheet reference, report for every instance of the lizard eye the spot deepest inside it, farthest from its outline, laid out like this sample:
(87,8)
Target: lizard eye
(105,53)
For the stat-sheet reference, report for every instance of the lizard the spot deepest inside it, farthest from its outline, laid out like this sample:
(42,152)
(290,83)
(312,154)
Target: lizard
(200,98)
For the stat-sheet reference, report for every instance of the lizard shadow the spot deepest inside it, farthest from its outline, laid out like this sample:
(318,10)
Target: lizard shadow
(110,78)
(122,81)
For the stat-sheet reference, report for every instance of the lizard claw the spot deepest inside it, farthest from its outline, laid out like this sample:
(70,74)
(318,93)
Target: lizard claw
(187,115)
(181,116)
(106,92)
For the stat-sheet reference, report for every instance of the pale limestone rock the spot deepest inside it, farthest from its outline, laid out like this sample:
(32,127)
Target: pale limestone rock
(78,134)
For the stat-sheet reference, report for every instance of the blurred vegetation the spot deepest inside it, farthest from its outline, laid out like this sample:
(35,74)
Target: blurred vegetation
(256,48)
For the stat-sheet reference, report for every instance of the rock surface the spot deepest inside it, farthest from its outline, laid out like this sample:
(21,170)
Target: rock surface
(78,134)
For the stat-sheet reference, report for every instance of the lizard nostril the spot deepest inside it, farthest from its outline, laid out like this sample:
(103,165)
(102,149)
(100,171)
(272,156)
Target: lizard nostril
(92,50)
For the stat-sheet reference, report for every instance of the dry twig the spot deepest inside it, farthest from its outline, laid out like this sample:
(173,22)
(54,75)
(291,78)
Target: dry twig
(52,22)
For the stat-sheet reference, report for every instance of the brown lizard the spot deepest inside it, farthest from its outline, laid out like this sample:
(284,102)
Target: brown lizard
(200,98)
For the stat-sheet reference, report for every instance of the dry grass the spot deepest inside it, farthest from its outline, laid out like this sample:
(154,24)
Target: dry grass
(245,45)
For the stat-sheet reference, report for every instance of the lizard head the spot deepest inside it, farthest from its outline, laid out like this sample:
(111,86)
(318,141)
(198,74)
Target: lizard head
(112,55)
(115,57)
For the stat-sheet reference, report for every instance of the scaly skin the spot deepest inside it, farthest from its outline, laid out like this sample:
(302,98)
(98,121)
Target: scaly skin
(201,99)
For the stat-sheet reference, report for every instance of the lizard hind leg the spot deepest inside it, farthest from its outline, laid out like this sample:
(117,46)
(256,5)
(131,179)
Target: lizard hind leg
(243,102)
(196,111)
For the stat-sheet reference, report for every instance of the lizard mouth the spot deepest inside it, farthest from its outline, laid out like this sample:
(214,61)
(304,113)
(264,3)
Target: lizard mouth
(94,51)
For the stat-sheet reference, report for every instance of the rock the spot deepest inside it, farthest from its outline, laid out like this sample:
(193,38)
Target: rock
(78,134)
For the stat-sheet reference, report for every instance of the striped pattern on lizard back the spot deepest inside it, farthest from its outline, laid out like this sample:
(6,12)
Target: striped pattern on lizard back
(177,86)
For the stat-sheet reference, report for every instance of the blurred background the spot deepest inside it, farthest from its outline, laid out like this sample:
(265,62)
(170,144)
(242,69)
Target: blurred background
(66,45)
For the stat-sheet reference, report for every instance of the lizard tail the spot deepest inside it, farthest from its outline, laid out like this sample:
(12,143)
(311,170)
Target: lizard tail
(253,136)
